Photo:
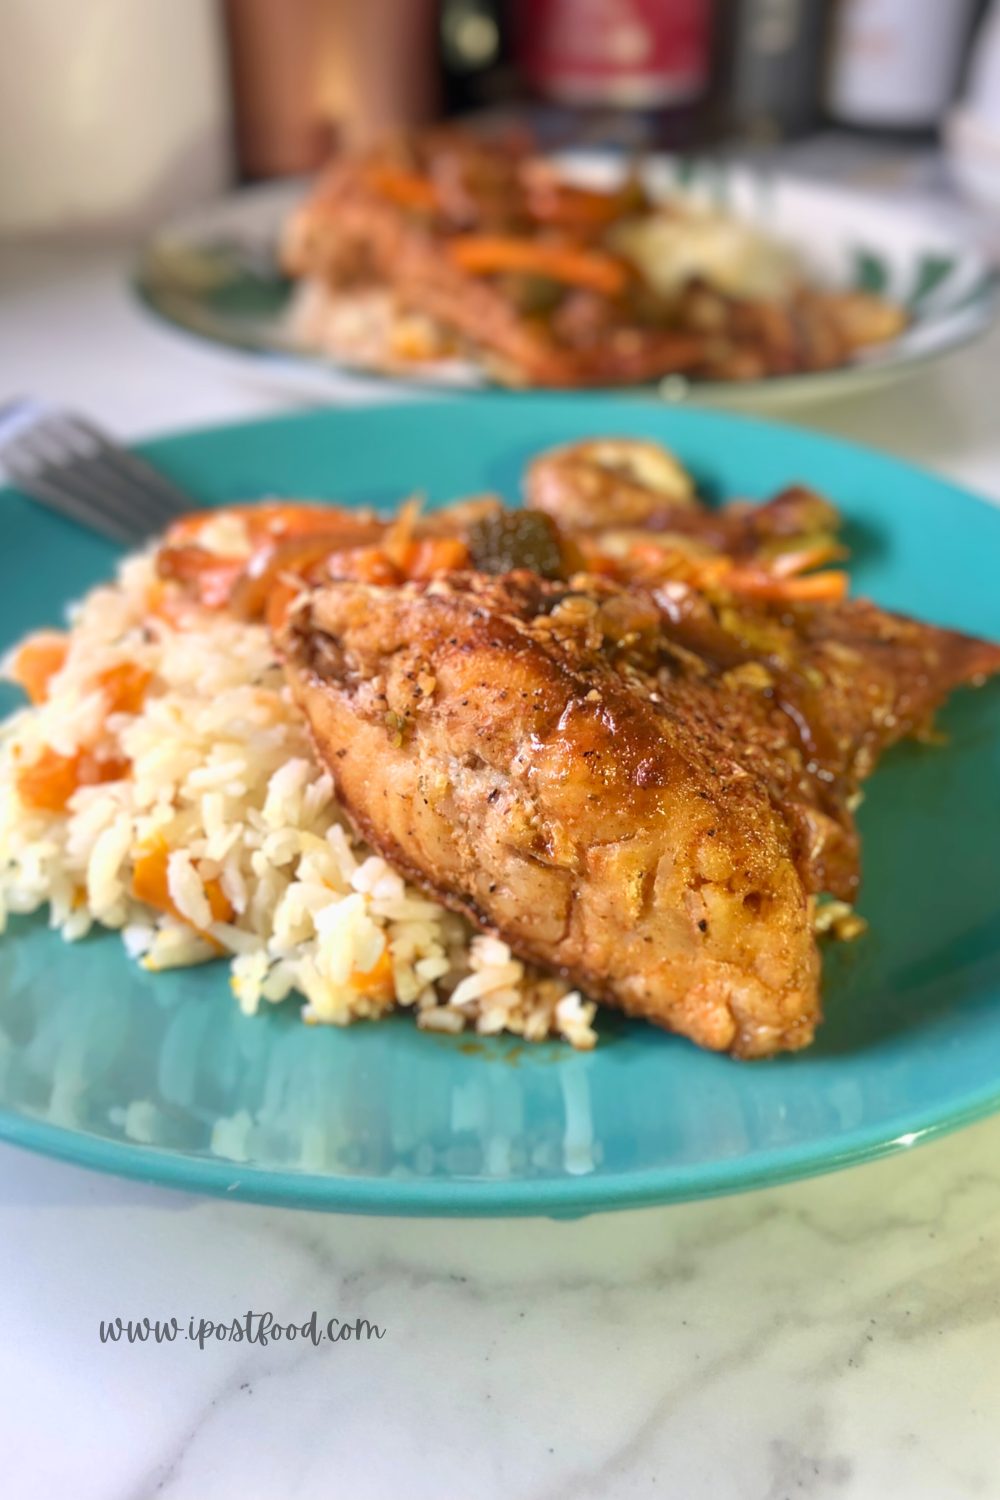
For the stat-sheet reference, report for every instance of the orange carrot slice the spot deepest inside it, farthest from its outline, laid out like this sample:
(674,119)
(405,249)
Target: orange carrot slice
(818,588)
(487,255)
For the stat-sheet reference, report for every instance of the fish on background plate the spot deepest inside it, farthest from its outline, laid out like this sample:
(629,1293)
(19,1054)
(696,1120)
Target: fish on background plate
(300,753)
(444,260)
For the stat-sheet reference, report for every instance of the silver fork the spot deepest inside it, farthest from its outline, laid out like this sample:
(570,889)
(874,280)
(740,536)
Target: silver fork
(68,464)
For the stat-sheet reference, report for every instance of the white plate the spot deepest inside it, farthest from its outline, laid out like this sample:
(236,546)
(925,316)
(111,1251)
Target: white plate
(214,275)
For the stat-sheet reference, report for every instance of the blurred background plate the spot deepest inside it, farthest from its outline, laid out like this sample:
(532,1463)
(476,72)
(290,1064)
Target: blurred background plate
(214,274)
(162,1078)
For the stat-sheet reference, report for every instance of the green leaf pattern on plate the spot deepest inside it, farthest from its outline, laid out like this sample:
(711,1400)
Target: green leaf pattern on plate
(870,273)
(932,272)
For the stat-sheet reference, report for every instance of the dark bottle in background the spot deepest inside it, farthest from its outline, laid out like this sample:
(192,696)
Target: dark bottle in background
(477,69)
(770,61)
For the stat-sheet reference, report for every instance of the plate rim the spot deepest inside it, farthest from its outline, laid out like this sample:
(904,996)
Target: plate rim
(429,1197)
(321,371)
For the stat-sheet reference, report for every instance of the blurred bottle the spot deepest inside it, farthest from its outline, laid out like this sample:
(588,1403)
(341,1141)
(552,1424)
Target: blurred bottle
(771,67)
(894,64)
(388,60)
(113,114)
(274,55)
(309,73)
(627,73)
(972,132)
(635,54)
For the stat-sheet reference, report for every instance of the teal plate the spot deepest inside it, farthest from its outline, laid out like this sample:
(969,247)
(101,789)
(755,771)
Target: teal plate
(161,1078)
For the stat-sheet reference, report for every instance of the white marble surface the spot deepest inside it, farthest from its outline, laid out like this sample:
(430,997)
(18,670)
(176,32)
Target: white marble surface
(829,1339)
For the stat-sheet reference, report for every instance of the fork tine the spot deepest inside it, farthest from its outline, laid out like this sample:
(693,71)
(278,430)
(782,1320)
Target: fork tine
(68,503)
(130,499)
(144,504)
(35,458)
(70,465)
(173,501)
(82,453)
(127,500)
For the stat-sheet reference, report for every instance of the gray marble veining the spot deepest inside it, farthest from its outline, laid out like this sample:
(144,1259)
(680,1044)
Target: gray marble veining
(835,1338)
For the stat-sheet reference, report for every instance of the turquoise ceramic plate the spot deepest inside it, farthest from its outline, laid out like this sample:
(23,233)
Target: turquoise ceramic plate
(161,1078)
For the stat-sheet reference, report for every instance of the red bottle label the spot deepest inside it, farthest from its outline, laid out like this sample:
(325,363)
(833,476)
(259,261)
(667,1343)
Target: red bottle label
(616,52)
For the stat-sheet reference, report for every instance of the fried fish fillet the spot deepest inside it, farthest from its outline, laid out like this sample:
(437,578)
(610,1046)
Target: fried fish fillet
(483,739)
(615,794)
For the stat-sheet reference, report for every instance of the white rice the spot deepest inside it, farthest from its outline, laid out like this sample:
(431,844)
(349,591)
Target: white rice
(224,779)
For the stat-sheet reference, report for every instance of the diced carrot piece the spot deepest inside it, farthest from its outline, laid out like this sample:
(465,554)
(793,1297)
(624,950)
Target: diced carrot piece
(149,877)
(151,885)
(156,594)
(487,255)
(49,782)
(219,904)
(377,982)
(38,661)
(91,771)
(124,686)
(435,554)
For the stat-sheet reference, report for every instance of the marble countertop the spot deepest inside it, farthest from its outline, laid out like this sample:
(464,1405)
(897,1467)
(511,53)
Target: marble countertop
(834,1338)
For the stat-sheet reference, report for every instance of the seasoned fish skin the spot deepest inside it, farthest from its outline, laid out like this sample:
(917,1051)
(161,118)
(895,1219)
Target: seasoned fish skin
(498,742)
